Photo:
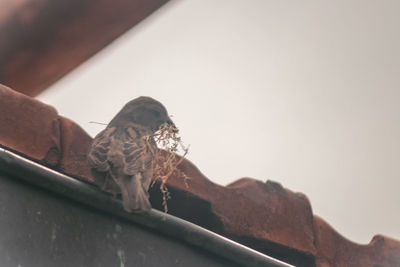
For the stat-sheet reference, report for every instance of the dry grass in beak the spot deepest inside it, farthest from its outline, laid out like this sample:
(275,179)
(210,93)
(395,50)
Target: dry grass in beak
(166,163)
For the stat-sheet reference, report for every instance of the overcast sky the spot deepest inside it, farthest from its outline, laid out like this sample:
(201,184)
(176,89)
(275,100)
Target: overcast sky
(305,93)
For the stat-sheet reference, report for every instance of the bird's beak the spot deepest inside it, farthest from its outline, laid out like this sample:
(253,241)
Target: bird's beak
(171,123)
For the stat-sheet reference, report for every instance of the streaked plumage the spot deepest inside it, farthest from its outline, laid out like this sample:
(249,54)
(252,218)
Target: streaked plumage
(121,157)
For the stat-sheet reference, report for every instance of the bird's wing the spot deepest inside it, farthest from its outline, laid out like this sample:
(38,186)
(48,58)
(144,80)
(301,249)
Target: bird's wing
(131,159)
(138,152)
(122,159)
(97,156)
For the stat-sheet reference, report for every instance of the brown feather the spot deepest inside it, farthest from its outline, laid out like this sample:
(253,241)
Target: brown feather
(121,157)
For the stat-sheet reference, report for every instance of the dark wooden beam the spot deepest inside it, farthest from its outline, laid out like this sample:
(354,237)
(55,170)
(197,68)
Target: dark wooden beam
(42,40)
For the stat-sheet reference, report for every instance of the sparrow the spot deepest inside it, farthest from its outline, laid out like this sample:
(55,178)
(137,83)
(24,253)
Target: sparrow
(122,156)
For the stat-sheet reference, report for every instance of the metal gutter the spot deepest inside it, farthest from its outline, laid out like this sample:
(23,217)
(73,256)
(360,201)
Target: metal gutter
(61,184)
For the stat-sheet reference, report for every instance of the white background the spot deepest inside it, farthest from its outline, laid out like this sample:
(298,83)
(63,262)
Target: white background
(305,93)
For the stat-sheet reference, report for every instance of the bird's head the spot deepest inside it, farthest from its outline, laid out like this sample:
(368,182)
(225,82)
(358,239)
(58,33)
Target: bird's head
(144,111)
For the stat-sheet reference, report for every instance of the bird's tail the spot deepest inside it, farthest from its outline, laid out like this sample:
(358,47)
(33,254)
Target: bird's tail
(135,197)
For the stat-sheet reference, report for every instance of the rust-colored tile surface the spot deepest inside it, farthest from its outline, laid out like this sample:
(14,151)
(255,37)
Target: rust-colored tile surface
(42,40)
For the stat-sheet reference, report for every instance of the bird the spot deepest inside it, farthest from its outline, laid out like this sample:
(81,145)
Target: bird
(122,156)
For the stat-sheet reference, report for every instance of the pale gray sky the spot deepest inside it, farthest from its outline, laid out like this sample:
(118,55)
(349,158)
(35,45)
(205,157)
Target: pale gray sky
(305,93)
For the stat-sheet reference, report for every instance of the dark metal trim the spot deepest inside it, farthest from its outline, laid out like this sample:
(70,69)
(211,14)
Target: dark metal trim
(172,226)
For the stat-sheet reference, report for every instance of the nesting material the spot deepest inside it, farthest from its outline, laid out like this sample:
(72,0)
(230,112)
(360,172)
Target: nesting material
(167,159)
